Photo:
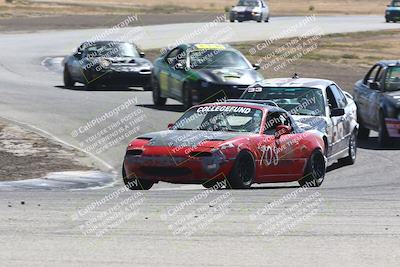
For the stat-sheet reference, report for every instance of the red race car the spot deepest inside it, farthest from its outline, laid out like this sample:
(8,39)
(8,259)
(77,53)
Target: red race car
(241,143)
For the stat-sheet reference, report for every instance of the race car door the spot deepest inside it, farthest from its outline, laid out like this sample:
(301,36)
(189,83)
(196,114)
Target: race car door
(340,123)
(177,74)
(281,159)
(167,68)
(369,95)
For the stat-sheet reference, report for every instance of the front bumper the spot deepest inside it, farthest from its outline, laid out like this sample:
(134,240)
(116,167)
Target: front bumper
(393,16)
(129,78)
(171,169)
(393,127)
(246,15)
(217,93)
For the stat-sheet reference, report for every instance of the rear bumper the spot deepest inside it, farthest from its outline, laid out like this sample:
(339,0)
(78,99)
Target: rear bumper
(393,127)
(176,170)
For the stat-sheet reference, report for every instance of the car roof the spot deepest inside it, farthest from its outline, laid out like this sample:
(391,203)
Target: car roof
(258,104)
(389,63)
(194,45)
(295,82)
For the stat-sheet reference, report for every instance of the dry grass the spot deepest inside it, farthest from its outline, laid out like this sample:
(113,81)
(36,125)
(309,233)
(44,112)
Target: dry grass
(278,7)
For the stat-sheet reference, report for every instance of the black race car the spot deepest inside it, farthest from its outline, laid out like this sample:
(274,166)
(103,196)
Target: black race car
(378,100)
(107,62)
(198,73)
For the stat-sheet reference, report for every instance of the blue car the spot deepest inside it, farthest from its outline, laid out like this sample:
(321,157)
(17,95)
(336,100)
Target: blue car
(393,11)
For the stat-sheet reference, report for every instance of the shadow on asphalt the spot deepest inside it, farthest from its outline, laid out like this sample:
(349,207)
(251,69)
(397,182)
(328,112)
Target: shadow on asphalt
(173,108)
(102,89)
(372,144)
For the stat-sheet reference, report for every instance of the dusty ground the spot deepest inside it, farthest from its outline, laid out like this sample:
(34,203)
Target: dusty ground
(12,8)
(25,155)
(97,21)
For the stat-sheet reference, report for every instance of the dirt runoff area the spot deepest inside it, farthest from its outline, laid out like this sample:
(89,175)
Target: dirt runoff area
(30,15)
(26,155)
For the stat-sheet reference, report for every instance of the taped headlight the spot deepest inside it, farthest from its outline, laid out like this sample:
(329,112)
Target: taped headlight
(105,63)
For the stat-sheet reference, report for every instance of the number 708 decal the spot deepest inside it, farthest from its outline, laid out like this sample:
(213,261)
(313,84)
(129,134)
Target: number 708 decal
(269,155)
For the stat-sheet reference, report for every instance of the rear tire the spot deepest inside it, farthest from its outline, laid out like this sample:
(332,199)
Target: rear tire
(315,170)
(68,81)
(157,99)
(363,132)
(135,183)
(267,19)
(243,172)
(351,158)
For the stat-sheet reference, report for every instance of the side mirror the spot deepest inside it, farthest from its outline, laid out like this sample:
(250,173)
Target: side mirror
(282,130)
(170,125)
(375,86)
(256,66)
(179,66)
(337,112)
(142,54)
(78,54)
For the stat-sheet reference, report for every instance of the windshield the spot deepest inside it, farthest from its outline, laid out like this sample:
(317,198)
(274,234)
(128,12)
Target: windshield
(250,3)
(297,101)
(112,50)
(392,82)
(221,118)
(217,59)
(396,3)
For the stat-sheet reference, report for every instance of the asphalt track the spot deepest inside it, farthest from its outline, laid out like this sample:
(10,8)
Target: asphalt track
(357,222)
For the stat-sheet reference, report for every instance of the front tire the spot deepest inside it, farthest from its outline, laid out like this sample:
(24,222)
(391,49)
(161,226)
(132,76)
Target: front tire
(352,156)
(68,81)
(243,172)
(157,99)
(187,97)
(315,170)
(363,132)
(383,137)
(135,183)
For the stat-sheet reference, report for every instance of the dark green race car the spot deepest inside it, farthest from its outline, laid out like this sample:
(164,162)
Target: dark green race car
(199,73)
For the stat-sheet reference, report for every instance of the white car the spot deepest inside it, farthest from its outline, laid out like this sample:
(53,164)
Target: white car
(318,104)
(257,10)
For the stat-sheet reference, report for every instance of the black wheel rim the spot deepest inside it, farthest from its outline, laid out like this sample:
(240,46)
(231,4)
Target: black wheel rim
(318,167)
(246,171)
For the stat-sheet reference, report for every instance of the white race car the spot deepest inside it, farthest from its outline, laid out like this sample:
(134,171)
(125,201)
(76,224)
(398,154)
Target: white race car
(250,10)
(318,104)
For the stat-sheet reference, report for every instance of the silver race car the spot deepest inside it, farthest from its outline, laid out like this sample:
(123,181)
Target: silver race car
(257,10)
(318,104)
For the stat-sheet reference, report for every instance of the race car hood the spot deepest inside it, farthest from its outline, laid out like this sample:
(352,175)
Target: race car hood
(393,8)
(187,138)
(311,122)
(393,98)
(240,9)
(229,76)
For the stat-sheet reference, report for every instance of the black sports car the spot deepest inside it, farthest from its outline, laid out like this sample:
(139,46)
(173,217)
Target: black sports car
(378,100)
(107,62)
(198,73)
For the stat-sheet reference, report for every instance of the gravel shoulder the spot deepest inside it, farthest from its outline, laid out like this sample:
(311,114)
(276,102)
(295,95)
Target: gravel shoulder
(25,154)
